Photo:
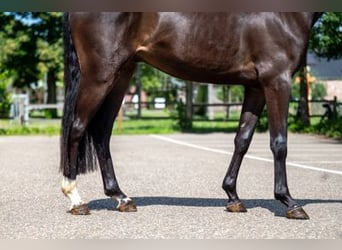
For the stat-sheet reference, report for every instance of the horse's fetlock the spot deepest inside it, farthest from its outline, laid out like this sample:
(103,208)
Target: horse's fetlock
(228,184)
(113,192)
(278,196)
(281,194)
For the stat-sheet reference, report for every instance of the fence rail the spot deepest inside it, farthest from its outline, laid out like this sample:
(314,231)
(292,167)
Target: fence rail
(44,106)
(318,108)
(20,108)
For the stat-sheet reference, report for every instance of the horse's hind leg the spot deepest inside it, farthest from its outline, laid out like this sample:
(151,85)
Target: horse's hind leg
(253,105)
(92,40)
(101,129)
(70,190)
(89,99)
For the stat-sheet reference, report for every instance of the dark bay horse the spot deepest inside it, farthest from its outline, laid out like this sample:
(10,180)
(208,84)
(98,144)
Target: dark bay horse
(261,51)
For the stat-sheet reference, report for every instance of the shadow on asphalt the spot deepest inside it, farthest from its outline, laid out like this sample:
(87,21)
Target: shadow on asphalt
(272,205)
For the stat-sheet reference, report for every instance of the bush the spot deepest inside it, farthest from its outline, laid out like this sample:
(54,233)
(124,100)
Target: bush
(331,128)
(328,127)
(183,123)
(296,125)
(262,125)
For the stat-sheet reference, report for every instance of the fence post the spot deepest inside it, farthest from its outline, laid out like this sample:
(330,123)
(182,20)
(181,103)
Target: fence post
(26,109)
(20,108)
(211,95)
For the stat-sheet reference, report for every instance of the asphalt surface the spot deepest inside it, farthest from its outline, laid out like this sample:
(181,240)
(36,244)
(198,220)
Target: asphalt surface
(175,181)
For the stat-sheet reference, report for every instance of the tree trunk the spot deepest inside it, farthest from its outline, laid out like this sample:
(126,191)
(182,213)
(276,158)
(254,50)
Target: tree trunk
(303,109)
(52,92)
(188,112)
(211,100)
(138,89)
(226,99)
(202,97)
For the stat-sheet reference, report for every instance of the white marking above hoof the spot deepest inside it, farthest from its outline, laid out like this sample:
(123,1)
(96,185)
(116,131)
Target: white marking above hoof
(69,190)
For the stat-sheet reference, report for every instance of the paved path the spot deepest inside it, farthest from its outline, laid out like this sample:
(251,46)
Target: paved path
(176,182)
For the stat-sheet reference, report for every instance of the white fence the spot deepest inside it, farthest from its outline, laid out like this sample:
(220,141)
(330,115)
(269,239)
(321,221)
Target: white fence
(21,107)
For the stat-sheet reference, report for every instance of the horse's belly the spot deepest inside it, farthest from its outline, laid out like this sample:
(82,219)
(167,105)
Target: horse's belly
(200,69)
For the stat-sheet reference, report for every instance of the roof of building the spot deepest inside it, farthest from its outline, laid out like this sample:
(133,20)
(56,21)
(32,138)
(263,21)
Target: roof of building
(325,69)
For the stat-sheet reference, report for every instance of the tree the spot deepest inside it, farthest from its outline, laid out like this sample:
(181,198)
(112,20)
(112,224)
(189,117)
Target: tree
(32,49)
(326,36)
(18,47)
(325,41)
(49,30)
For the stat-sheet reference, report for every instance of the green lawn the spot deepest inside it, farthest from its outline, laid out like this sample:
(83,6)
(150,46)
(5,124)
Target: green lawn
(129,126)
(158,122)
(145,126)
(35,127)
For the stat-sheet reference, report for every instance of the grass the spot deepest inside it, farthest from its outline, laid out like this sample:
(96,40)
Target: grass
(161,122)
(214,126)
(167,126)
(53,127)
(35,127)
(147,125)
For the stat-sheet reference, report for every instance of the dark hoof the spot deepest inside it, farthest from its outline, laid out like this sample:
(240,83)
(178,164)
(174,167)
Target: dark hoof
(236,207)
(80,210)
(297,213)
(127,206)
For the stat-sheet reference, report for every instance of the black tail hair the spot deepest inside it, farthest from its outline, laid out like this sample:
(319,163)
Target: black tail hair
(86,157)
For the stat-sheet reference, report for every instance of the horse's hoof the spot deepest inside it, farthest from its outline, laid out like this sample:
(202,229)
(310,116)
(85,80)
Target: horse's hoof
(127,206)
(236,207)
(297,213)
(80,210)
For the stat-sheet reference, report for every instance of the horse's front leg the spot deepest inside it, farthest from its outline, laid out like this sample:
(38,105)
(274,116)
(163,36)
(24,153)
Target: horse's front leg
(277,94)
(253,105)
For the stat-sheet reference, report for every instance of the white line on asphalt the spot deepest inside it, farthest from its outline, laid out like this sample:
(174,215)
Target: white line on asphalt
(246,156)
(320,162)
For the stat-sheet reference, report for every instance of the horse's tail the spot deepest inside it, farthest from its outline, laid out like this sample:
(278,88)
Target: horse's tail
(86,157)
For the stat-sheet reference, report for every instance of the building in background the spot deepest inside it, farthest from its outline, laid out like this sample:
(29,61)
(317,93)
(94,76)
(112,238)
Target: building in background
(329,73)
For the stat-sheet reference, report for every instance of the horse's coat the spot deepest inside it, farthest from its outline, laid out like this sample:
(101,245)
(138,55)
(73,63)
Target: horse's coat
(261,51)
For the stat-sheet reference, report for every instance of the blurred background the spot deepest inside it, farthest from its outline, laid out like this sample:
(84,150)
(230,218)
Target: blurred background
(32,89)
